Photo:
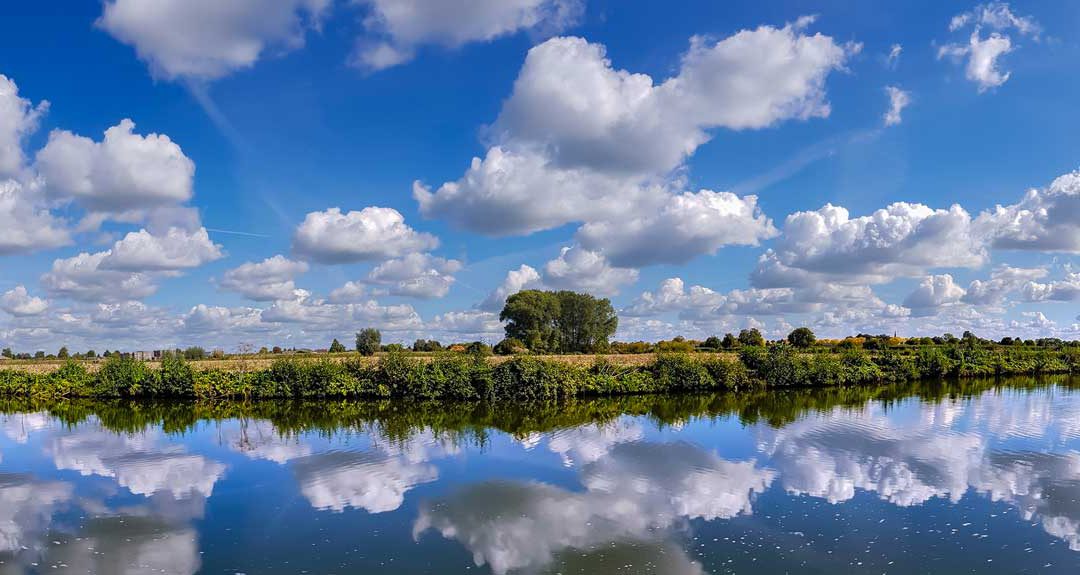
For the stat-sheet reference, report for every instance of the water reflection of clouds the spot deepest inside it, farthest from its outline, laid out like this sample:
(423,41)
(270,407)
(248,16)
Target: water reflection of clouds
(140,462)
(125,545)
(587,443)
(150,537)
(26,509)
(634,495)
(635,492)
(375,480)
(152,533)
(634,499)
(259,439)
(19,426)
(1048,415)
(832,456)
(951,449)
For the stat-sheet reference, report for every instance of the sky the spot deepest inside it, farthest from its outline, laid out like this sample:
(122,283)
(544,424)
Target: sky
(286,172)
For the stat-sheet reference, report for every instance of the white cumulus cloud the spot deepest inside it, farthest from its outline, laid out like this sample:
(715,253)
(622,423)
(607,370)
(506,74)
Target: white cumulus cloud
(207,39)
(82,278)
(18,119)
(580,141)
(125,171)
(902,239)
(372,233)
(396,28)
(688,225)
(268,280)
(583,270)
(18,302)
(523,278)
(569,98)
(934,292)
(177,249)
(1044,220)
(27,224)
(1065,289)
(415,275)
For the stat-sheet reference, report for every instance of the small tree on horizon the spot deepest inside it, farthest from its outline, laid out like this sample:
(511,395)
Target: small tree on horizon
(63,353)
(509,346)
(368,341)
(336,347)
(729,341)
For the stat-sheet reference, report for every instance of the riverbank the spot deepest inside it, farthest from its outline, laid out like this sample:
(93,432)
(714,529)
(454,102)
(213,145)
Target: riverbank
(455,376)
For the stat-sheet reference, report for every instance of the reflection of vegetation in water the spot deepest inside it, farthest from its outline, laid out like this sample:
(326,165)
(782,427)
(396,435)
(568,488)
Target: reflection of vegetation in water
(656,556)
(469,421)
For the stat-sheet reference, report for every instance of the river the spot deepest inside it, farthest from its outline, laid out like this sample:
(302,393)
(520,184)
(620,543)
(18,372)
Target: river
(978,477)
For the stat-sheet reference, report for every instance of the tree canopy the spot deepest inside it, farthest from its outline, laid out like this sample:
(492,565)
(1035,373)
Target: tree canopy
(751,337)
(368,341)
(562,321)
(336,346)
(427,345)
(801,337)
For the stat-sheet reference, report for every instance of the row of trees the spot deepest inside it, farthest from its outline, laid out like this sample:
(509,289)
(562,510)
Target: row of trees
(194,352)
(545,322)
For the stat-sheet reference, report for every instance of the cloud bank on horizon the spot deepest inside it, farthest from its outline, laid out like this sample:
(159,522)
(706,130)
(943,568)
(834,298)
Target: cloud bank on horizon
(601,163)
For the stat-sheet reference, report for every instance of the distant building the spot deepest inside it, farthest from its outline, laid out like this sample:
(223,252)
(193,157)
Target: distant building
(155,355)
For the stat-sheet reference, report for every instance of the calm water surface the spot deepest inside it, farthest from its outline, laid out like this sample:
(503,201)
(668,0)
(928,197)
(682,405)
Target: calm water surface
(937,479)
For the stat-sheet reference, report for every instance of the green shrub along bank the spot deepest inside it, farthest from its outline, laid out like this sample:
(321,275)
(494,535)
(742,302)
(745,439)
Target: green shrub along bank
(457,376)
(451,376)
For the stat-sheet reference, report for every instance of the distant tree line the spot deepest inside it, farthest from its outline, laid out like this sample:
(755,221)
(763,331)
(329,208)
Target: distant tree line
(567,322)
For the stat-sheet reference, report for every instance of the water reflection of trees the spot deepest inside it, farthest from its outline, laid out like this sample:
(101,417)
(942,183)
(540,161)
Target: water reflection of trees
(472,422)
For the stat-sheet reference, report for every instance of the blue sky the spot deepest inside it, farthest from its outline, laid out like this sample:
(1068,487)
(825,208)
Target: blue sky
(285,171)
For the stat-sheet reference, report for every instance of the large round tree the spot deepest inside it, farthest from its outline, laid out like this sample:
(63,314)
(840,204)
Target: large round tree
(801,337)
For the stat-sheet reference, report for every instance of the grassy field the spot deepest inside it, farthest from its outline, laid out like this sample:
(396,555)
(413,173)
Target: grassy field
(263,361)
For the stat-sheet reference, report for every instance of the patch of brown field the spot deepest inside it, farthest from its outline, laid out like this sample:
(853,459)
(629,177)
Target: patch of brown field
(253,363)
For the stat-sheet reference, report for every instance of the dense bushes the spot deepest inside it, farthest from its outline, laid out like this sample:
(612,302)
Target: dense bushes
(124,377)
(473,376)
(446,376)
(781,365)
